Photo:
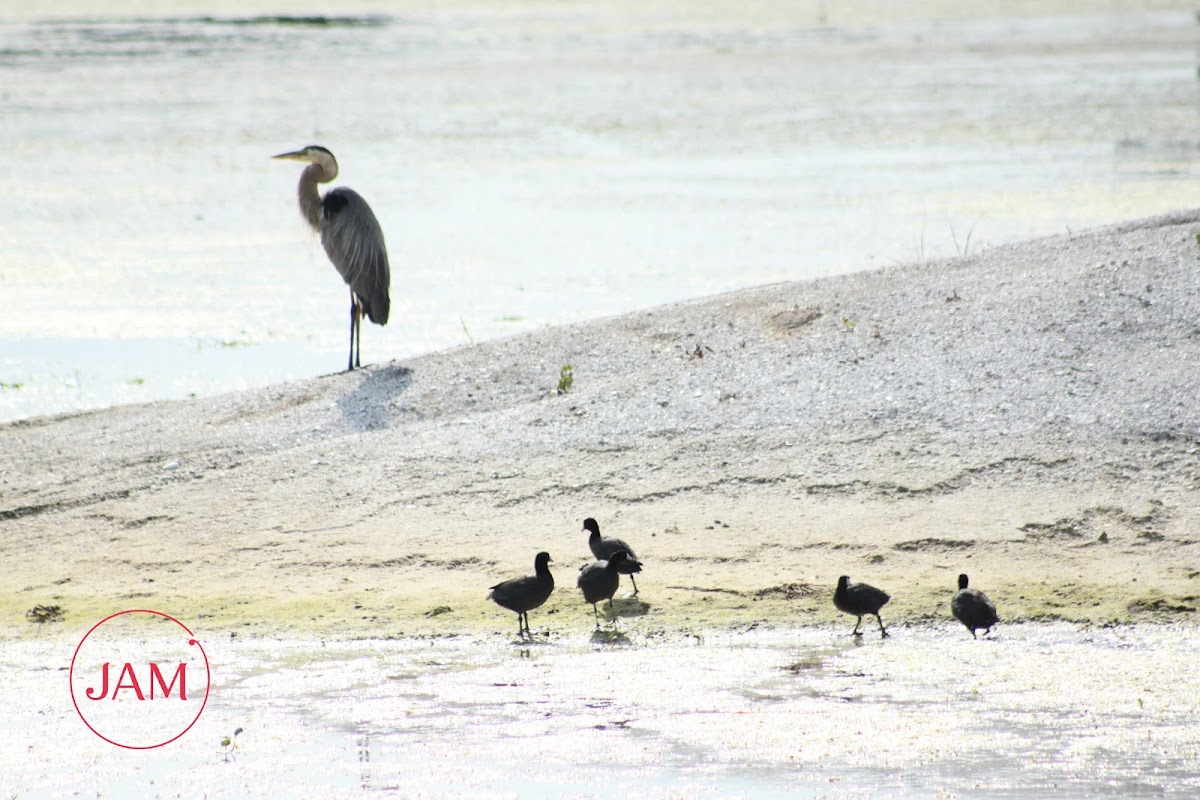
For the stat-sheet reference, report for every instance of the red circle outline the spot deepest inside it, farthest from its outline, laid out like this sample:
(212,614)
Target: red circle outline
(191,641)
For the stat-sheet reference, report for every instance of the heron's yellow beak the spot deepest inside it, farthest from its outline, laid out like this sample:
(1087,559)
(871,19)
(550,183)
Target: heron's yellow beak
(296,155)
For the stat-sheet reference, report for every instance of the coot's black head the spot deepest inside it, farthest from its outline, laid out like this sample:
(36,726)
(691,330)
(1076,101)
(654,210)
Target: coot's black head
(962,581)
(590,526)
(542,559)
(617,559)
(842,581)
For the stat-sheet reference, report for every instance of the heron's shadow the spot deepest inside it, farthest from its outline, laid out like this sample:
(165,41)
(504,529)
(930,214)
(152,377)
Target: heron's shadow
(369,406)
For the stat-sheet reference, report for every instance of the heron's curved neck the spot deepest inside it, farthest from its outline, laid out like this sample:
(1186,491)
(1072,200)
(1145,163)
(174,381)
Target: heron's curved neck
(310,196)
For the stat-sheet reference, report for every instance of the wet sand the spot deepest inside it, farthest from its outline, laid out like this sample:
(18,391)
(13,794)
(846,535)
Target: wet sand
(1041,710)
(1026,415)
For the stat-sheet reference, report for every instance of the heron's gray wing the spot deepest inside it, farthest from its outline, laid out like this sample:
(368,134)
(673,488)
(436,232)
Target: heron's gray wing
(354,242)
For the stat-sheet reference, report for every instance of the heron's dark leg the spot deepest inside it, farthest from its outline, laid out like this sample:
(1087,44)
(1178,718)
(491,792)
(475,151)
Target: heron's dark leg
(882,630)
(358,362)
(631,578)
(855,631)
(353,325)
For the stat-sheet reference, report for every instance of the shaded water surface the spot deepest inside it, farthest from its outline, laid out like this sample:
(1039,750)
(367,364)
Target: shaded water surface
(535,164)
(1037,711)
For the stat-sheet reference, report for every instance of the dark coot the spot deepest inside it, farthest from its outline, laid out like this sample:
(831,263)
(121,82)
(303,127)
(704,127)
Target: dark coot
(603,549)
(972,608)
(860,599)
(599,581)
(525,594)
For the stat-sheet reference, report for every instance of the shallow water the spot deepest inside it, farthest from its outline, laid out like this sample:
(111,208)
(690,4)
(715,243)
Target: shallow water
(534,164)
(1037,711)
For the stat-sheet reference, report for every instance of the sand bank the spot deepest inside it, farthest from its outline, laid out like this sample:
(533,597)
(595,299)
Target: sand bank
(1027,414)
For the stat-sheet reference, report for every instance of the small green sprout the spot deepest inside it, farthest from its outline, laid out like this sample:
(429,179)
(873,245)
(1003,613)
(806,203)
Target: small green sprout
(566,379)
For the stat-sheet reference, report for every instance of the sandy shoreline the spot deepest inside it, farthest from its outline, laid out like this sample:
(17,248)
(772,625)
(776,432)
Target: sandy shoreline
(1027,415)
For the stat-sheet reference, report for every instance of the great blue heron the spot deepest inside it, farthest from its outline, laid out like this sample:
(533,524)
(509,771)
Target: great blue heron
(352,238)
